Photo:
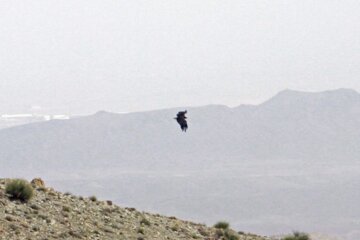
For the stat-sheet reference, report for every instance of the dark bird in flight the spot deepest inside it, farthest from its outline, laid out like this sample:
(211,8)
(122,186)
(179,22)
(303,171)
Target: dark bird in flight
(181,119)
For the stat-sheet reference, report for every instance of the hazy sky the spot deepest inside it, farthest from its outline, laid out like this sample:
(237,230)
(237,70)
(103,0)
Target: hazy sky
(138,55)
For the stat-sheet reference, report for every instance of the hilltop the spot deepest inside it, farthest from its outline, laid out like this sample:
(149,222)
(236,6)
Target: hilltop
(54,215)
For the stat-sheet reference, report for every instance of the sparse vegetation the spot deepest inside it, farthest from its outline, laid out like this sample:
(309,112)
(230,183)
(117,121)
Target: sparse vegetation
(219,233)
(144,221)
(194,236)
(54,215)
(224,232)
(297,236)
(141,231)
(66,209)
(203,232)
(93,198)
(175,228)
(221,225)
(19,189)
(230,236)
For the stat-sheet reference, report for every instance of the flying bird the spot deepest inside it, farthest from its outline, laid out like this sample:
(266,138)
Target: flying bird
(181,119)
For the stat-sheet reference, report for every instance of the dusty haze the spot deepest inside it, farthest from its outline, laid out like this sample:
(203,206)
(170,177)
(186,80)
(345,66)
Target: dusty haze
(83,56)
(291,162)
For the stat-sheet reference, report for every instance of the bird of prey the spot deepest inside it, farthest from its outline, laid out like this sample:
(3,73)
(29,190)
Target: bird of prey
(181,119)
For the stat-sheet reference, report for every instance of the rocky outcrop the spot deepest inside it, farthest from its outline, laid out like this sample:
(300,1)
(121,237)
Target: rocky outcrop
(37,182)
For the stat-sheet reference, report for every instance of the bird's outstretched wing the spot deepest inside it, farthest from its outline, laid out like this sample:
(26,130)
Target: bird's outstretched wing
(182,114)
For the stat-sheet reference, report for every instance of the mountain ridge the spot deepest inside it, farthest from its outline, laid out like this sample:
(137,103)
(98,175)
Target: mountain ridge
(243,155)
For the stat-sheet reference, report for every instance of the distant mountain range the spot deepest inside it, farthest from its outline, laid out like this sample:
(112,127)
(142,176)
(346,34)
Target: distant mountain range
(292,161)
(12,120)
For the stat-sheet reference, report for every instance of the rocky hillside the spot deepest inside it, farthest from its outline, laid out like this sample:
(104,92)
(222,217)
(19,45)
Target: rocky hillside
(53,215)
